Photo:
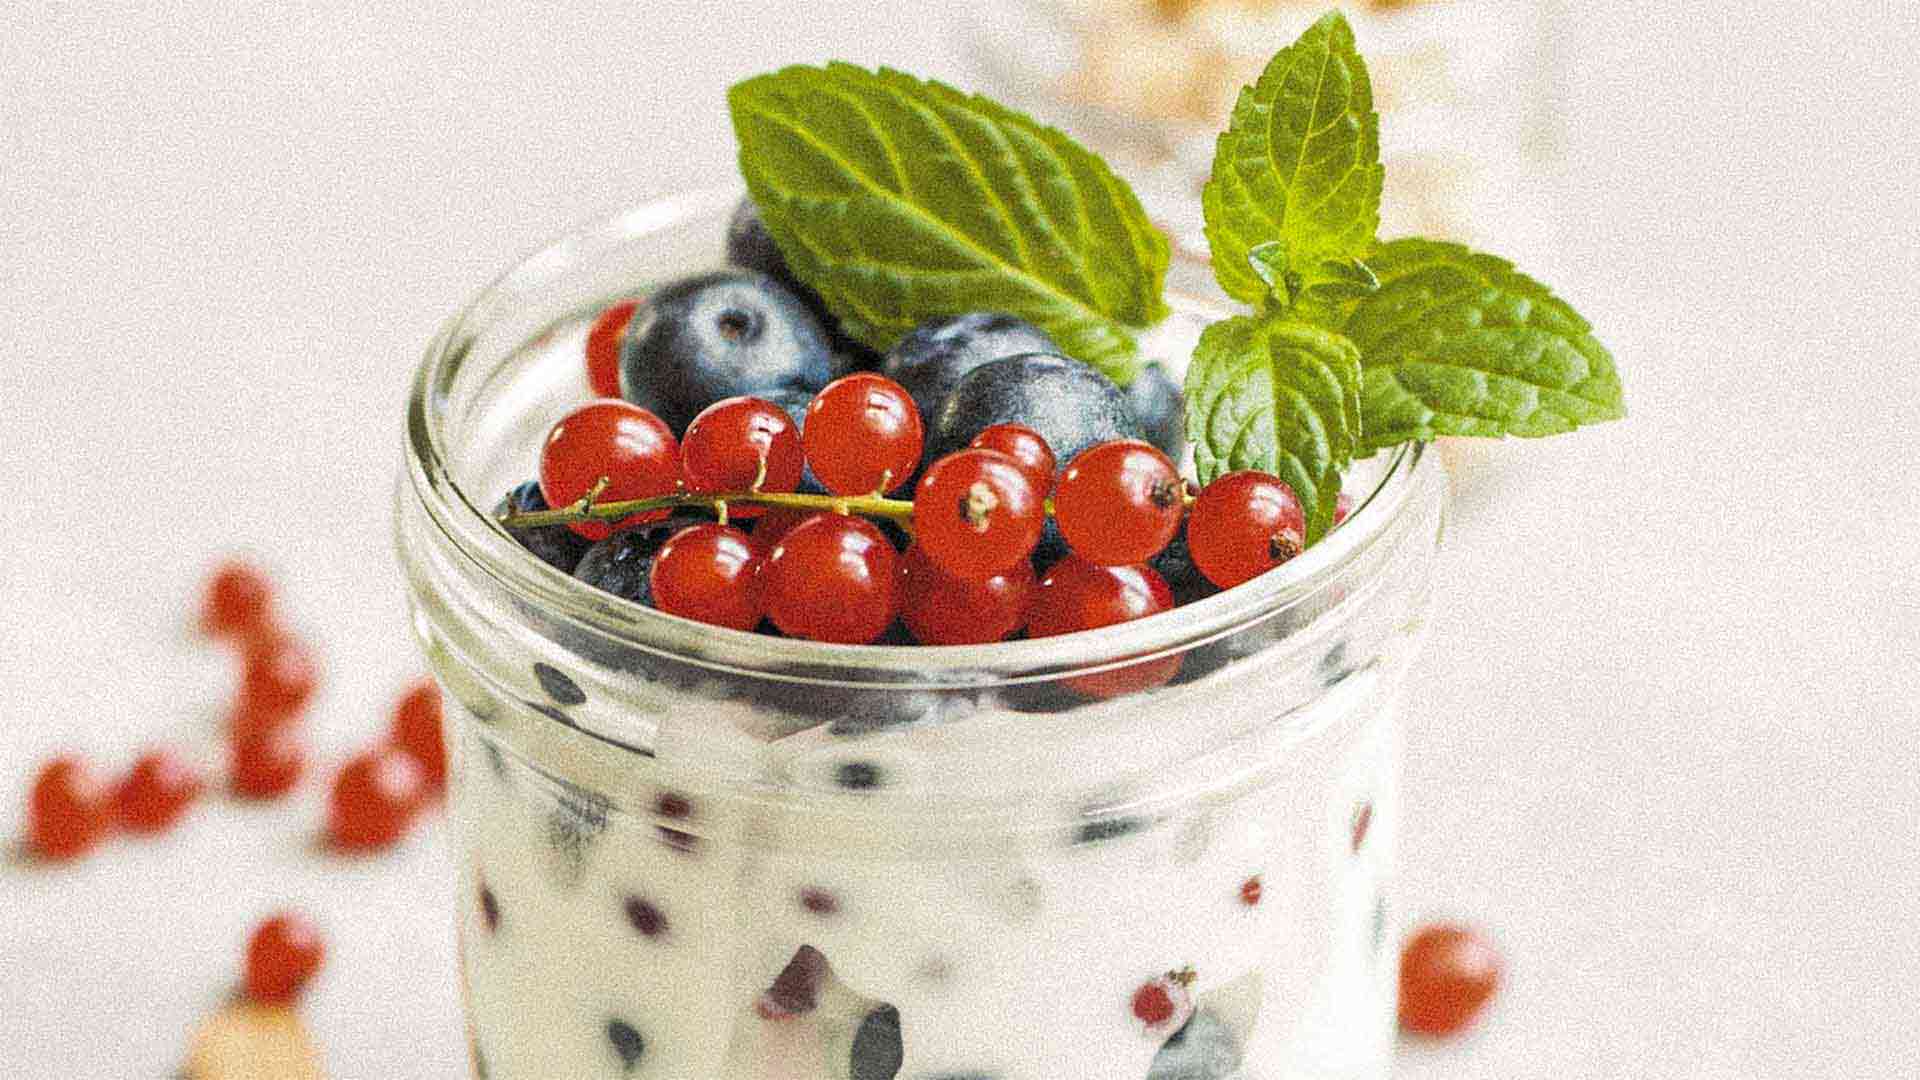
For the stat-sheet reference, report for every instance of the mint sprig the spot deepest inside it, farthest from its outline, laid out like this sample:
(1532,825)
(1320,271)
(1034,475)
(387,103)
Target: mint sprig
(1281,396)
(1298,167)
(900,200)
(1460,343)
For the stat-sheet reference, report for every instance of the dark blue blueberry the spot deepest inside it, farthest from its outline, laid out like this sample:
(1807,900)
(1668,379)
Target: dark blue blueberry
(858,775)
(1157,404)
(717,335)
(578,818)
(1071,405)
(626,1042)
(934,356)
(1175,563)
(558,685)
(555,545)
(1039,697)
(622,564)
(750,246)
(1100,830)
(1204,1049)
(850,356)
(877,1050)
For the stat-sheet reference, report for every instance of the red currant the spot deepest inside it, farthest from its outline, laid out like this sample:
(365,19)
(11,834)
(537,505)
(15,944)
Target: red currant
(68,811)
(239,601)
(976,514)
(1026,446)
(863,435)
(614,439)
(417,731)
(603,348)
(266,764)
(832,578)
(1078,595)
(942,609)
(374,800)
(1243,525)
(1165,1003)
(1118,502)
(283,955)
(1447,973)
(710,573)
(278,675)
(156,791)
(731,442)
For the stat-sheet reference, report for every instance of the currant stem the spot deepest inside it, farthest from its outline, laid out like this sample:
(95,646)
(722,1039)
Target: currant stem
(897,510)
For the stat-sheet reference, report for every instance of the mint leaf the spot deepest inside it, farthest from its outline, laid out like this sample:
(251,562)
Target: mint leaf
(1278,395)
(1456,342)
(900,200)
(1299,164)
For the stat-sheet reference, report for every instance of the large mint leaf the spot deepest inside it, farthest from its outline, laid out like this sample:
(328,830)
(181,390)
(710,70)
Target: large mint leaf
(1456,342)
(900,200)
(1277,395)
(1299,165)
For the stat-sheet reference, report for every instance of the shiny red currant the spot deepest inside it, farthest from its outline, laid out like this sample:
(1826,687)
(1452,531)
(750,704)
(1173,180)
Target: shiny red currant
(238,602)
(742,444)
(1243,525)
(1447,974)
(832,578)
(863,435)
(976,514)
(629,446)
(941,609)
(1078,595)
(417,731)
(1119,502)
(156,791)
(68,810)
(603,348)
(374,800)
(1026,446)
(710,573)
(283,956)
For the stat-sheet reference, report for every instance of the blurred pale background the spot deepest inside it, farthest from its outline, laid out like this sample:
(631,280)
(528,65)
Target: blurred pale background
(1662,744)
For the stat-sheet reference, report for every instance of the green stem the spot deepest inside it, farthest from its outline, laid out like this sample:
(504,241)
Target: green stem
(896,510)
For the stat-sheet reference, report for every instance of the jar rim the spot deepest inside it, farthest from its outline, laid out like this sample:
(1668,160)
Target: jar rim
(486,549)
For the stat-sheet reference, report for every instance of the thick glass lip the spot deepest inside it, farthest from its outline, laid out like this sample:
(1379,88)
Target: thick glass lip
(485,549)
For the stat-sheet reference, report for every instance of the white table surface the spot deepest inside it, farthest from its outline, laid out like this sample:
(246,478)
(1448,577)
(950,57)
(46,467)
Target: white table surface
(1662,745)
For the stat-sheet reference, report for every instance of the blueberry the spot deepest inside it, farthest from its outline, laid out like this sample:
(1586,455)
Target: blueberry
(1157,404)
(626,1042)
(717,335)
(1175,563)
(750,246)
(934,356)
(877,1051)
(555,545)
(1071,405)
(1204,1049)
(622,564)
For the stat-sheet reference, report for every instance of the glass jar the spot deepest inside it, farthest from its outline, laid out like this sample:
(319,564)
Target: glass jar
(691,853)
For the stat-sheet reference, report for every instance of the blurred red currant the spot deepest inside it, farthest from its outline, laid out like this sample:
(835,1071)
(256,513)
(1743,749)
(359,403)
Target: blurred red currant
(603,348)
(1447,974)
(975,513)
(68,810)
(267,763)
(417,731)
(863,434)
(374,800)
(729,443)
(1243,525)
(1342,506)
(1026,446)
(624,443)
(156,791)
(1118,502)
(283,956)
(239,601)
(710,573)
(278,676)
(941,609)
(1078,595)
(832,578)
